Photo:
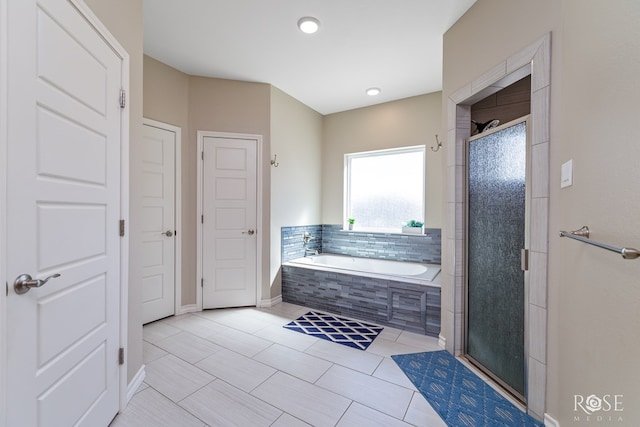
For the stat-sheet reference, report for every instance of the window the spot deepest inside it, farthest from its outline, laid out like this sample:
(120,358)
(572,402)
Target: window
(384,189)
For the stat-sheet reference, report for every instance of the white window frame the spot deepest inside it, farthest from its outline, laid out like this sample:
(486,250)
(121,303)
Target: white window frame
(385,152)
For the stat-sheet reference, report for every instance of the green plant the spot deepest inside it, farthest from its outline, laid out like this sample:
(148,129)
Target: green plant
(414,223)
(351,220)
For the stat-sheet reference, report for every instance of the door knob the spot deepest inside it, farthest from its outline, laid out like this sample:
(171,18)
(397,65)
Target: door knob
(249,232)
(24,282)
(168,233)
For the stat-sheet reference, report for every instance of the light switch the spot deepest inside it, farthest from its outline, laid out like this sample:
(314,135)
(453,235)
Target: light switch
(566,174)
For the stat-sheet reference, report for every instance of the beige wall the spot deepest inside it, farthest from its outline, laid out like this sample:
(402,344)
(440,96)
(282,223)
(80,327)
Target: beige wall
(598,292)
(297,134)
(240,107)
(407,122)
(123,18)
(166,99)
(199,103)
(296,138)
(593,295)
(166,94)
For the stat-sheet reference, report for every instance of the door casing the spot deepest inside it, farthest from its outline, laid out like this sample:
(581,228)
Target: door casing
(259,210)
(92,19)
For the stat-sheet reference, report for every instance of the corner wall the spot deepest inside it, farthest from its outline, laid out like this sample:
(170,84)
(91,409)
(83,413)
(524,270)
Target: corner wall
(200,103)
(296,135)
(166,99)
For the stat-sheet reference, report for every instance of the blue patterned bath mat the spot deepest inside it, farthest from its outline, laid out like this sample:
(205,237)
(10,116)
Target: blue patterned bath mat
(336,329)
(459,396)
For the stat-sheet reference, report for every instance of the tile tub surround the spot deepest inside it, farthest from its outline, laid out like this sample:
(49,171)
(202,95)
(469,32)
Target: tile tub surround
(331,238)
(407,306)
(292,244)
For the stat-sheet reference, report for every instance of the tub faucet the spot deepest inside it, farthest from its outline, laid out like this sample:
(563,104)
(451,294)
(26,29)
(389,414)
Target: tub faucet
(308,251)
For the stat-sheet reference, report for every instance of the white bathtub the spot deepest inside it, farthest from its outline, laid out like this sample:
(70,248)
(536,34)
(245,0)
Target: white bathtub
(411,272)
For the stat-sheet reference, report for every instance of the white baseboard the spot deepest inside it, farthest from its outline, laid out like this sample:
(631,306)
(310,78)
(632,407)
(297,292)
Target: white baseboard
(550,422)
(442,341)
(189,308)
(135,383)
(270,302)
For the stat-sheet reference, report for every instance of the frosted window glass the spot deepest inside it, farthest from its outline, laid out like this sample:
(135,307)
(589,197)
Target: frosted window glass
(496,230)
(385,190)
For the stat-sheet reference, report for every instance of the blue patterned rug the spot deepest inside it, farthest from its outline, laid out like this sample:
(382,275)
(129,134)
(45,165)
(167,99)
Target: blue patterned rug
(336,329)
(459,396)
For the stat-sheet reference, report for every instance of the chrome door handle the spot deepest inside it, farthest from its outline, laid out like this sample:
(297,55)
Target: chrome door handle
(249,232)
(24,282)
(168,233)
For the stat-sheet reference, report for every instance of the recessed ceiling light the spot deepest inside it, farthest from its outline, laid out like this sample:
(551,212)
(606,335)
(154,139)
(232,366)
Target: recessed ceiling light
(308,25)
(373,91)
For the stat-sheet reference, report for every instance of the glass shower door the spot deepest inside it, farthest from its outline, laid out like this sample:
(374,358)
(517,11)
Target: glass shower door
(496,229)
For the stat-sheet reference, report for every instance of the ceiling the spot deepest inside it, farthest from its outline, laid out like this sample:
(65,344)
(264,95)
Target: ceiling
(393,45)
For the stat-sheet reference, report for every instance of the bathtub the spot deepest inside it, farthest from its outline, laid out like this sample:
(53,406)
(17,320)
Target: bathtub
(410,272)
(404,295)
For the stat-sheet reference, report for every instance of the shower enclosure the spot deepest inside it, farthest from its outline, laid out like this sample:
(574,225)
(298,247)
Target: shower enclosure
(497,229)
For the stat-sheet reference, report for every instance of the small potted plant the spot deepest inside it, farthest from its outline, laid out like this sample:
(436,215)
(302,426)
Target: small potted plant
(413,227)
(351,221)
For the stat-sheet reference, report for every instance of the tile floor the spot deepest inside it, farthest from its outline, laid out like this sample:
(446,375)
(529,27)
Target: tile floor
(240,367)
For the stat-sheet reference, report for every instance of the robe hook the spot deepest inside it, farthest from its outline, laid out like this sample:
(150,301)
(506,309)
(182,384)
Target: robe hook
(438,146)
(275,162)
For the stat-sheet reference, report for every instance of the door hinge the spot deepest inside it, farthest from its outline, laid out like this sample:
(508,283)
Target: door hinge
(121,356)
(121,227)
(524,259)
(202,282)
(201,219)
(7,288)
(202,155)
(123,98)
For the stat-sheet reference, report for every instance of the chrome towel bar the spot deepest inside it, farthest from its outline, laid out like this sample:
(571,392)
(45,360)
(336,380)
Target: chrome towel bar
(582,235)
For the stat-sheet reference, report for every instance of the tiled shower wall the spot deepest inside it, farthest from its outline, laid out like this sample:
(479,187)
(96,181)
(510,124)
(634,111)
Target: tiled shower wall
(331,238)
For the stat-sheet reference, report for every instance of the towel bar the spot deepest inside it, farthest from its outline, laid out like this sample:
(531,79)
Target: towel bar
(582,235)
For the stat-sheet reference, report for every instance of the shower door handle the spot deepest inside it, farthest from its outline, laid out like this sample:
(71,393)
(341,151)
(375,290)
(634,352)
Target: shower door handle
(524,259)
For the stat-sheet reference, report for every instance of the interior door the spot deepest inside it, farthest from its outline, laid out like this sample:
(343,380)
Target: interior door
(158,227)
(497,230)
(63,210)
(229,217)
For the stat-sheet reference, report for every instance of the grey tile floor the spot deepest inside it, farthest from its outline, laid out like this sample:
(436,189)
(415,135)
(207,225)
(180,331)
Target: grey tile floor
(240,367)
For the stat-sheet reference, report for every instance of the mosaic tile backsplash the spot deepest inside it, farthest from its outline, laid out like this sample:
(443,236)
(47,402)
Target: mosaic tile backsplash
(293,245)
(331,238)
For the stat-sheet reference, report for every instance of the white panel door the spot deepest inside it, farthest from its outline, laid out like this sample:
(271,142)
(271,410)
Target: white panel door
(229,244)
(158,227)
(63,210)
